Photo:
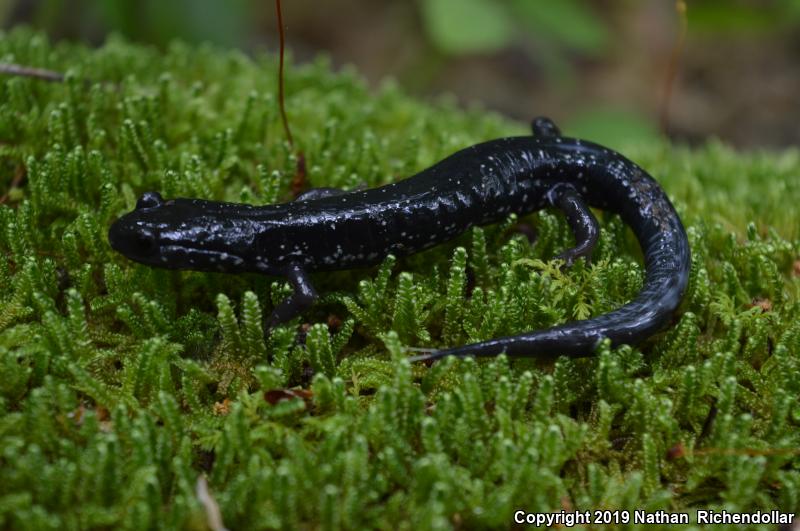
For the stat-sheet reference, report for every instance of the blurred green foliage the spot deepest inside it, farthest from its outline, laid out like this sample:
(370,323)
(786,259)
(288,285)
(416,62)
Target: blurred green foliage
(612,126)
(454,27)
(225,22)
(557,37)
(469,26)
(158,21)
(724,16)
(578,26)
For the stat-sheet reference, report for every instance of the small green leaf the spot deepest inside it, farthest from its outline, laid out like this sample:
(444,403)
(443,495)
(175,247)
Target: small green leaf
(567,22)
(612,127)
(467,26)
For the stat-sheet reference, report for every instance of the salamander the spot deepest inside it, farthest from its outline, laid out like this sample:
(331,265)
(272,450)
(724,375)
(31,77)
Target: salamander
(329,229)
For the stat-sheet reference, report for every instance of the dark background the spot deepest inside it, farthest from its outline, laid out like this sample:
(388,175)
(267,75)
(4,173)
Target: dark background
(600,68)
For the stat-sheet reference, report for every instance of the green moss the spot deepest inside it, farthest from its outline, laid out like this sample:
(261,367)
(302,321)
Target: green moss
(120,385)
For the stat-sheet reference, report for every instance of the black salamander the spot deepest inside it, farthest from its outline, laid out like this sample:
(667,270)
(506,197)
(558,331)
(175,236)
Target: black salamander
(329,229)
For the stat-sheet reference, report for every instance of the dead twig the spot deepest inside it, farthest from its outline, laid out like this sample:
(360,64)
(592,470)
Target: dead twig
(674,65)
(19,175)
(26,71)
(213,513)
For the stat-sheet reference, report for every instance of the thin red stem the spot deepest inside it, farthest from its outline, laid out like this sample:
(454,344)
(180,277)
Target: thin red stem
(281,103)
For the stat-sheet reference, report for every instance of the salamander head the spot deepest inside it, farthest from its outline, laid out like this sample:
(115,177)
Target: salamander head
(181,234)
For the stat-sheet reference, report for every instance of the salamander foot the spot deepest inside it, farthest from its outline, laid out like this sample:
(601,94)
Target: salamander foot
(581,220)
(299,301)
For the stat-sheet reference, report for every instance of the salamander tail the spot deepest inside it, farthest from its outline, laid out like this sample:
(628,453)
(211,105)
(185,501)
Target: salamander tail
(431,356)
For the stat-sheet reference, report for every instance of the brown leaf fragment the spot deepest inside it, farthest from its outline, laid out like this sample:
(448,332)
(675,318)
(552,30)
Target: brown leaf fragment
(334,322)
(222,408)
(273,396)
(78,414)
(103,414)
(764,304)
(676,452)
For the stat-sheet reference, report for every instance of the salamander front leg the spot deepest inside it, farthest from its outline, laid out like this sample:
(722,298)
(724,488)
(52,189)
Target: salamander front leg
(300,300)
(583,223)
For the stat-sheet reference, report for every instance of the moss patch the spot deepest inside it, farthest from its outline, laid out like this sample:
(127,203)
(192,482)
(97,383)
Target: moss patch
(120,385)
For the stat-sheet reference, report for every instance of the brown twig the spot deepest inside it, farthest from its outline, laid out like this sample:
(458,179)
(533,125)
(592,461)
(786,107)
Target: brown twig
(679,451)
(19,175)
(674,64)
(26,71)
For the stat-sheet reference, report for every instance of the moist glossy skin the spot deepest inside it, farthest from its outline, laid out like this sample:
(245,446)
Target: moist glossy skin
(476,186)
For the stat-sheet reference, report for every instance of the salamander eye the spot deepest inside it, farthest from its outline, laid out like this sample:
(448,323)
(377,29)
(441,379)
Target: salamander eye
(145,242)
(149,200)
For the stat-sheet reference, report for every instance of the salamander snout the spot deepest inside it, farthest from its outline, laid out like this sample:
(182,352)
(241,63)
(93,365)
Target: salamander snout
(133,241)
(134,235)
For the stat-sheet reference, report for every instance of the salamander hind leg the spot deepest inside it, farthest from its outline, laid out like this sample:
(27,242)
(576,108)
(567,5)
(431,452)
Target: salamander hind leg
(302,297)
(544,127)
(581,220)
